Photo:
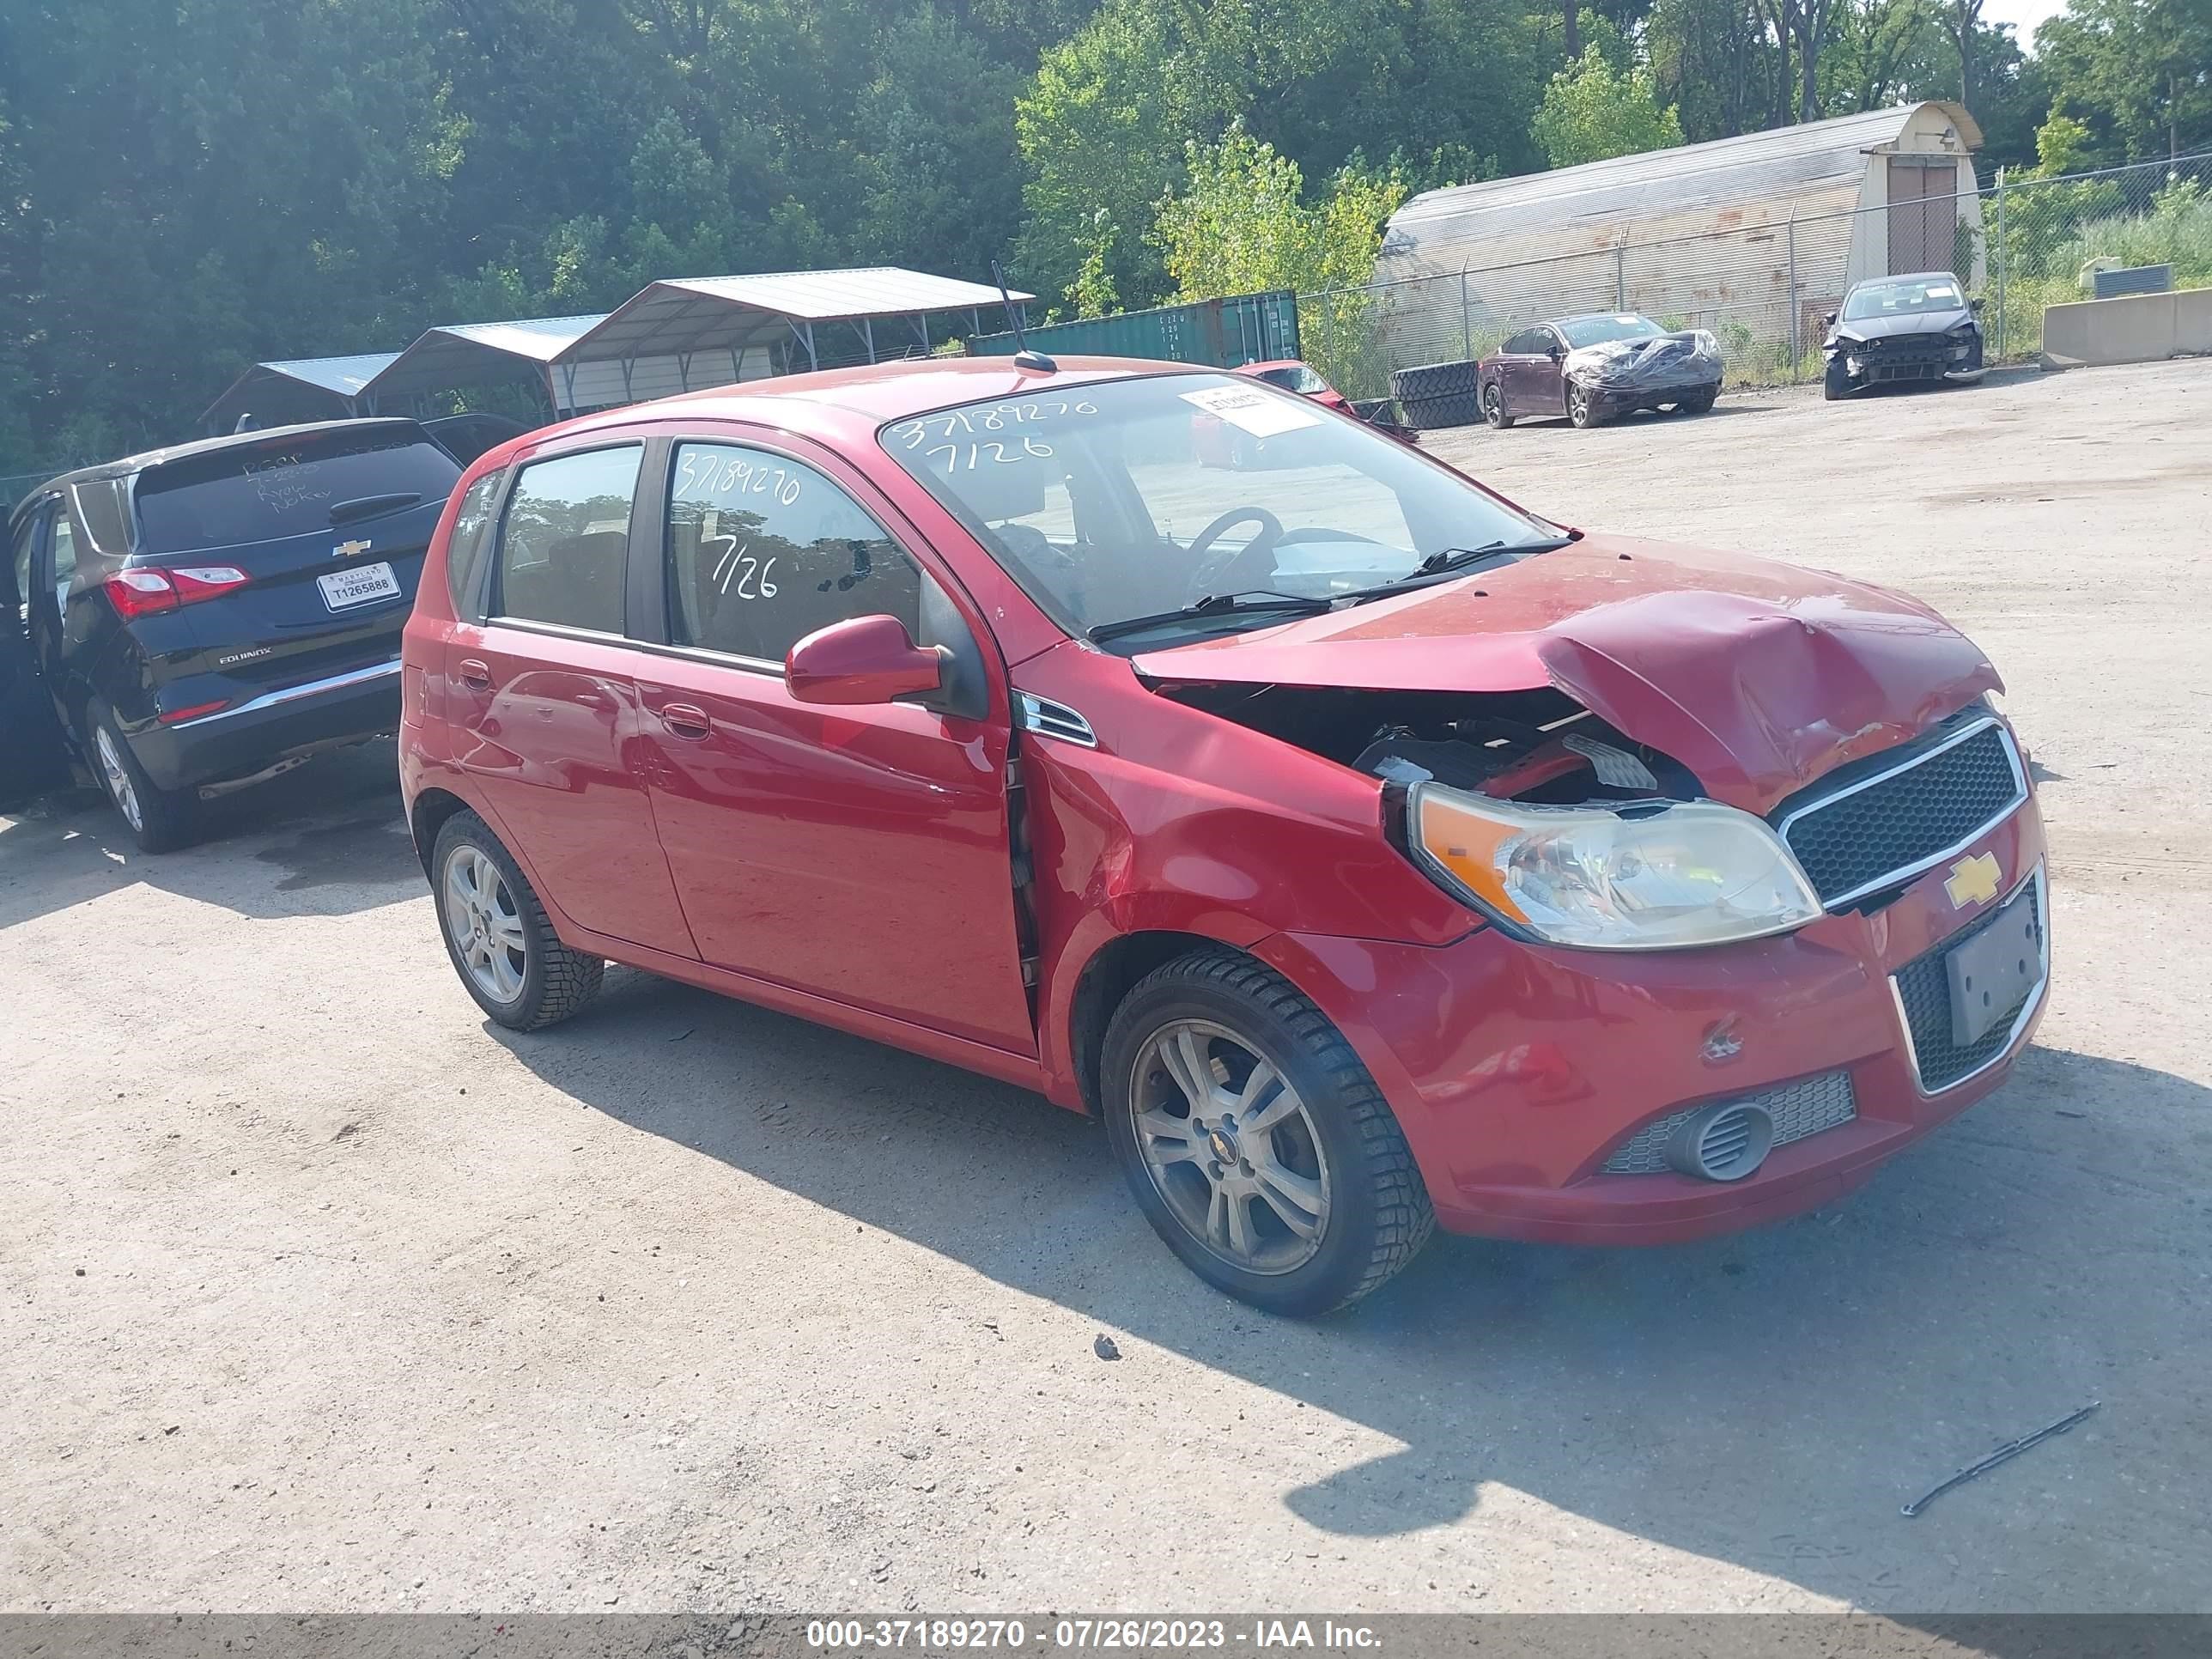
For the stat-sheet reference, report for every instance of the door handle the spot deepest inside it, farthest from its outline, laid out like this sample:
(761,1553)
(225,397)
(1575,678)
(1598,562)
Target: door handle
(474,674)
(687,721)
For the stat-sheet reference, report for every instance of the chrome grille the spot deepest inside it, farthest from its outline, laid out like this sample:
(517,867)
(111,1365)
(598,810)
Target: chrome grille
(1923,987)
(1800,1109)
(1882,821)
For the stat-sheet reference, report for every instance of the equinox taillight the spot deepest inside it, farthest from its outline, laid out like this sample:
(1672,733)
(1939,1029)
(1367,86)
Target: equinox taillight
(151,588)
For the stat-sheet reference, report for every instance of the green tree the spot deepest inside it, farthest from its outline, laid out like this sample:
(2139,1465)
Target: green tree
(1591,111)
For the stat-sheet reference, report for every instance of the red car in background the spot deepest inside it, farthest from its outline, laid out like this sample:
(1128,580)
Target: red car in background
(1227,446)
(1366,851)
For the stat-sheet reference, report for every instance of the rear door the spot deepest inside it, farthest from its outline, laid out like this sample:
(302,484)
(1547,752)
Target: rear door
(32,760)
(543,697)
(328,527)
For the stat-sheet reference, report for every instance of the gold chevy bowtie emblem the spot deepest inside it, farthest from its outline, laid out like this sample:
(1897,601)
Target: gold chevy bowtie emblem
(1972,881)
(348,549)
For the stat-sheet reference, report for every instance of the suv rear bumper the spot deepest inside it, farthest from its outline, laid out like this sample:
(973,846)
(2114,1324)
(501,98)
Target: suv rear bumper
(359,703)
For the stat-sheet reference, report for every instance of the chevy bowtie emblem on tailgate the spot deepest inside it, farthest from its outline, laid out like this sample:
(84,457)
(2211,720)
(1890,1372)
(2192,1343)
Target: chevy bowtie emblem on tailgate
(346,550)
(1972,881)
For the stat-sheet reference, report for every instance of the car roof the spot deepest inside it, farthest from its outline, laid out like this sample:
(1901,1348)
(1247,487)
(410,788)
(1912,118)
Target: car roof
(1273,363)
(837,405)
(1595,316)
(144,458)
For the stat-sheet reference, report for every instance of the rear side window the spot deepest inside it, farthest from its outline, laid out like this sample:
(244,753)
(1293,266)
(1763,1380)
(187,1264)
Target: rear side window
(100,506)
(763,550)
(566,538)
(465,553)
(285,486)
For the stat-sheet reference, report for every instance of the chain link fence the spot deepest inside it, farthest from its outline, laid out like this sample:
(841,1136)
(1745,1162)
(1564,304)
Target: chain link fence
(1764,289)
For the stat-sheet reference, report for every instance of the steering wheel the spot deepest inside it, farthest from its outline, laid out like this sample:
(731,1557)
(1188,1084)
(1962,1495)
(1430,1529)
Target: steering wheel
(1208,577)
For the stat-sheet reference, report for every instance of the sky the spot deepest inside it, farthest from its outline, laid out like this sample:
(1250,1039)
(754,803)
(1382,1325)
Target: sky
(2024,15)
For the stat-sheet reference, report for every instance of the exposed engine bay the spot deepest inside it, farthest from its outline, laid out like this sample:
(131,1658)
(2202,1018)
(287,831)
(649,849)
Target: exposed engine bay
(1540,746)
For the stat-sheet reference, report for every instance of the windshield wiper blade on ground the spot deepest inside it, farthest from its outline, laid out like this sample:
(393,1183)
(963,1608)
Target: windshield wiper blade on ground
(1215,604)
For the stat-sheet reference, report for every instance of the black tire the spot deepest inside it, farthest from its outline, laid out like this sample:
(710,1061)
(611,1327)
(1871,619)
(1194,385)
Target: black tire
(160,820)
(555,981)
(1452,409)
(1430,380)
(1835,383)
(1581,408)
(1493,407)
(1377,1213)
(1700,404)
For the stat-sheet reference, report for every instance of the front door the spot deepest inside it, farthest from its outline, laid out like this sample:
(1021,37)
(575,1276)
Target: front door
(858,852)
(32,760)
(546,706)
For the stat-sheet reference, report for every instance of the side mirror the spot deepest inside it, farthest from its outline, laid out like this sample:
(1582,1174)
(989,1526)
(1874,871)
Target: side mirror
(1829,318)
(1555,351)
(862,660)
(1975,305)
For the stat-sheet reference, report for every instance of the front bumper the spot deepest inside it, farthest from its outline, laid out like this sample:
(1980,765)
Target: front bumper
(1619,397)
(298,720)
(1517,1071)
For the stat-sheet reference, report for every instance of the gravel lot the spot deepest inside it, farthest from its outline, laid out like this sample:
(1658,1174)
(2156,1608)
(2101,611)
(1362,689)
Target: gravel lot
(321,1293)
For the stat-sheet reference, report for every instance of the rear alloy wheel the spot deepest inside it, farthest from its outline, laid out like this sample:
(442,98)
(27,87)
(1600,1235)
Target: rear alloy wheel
(160,820)
(497,934)
(1253,1140)
(1580,410)
(1493,407)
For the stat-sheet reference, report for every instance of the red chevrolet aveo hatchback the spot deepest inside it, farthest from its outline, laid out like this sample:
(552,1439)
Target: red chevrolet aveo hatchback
(1366,851)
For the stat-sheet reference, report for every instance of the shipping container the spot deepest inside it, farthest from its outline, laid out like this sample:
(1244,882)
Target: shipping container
(1228,333)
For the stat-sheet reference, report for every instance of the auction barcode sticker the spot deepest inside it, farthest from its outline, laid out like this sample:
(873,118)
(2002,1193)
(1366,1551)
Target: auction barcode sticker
(1262,413)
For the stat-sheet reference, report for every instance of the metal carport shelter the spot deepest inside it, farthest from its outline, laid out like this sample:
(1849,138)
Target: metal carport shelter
(303,389)
(717,329)
(459,355)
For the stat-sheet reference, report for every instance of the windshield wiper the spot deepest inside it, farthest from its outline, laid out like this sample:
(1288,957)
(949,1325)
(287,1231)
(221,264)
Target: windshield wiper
(1215,604)
(1450,561)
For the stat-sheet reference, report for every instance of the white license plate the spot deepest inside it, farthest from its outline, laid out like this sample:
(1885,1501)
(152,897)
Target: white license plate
(343,589)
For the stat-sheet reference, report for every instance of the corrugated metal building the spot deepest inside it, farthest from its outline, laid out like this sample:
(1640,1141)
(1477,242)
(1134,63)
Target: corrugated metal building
(1735,235)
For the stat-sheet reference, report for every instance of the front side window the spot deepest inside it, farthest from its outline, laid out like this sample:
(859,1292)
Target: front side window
(27,536)
(1104,502)
(1598,331)
(763,550)
(566,540)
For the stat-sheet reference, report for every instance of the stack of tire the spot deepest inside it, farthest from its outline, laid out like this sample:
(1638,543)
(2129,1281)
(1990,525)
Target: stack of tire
(1437,394)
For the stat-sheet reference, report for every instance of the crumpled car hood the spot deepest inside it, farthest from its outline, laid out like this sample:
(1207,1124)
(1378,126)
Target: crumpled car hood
(1758,676)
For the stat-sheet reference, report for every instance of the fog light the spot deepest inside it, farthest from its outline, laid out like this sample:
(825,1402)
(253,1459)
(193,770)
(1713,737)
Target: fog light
(1726,1141)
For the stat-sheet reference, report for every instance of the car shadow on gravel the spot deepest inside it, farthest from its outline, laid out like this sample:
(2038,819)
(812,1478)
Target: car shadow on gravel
(326,839)
(1769,1399)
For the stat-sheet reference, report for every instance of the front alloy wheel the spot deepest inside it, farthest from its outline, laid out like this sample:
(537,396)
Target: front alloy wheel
(1253,1140)
(1493,407)
(1229,1148)
(1580,410)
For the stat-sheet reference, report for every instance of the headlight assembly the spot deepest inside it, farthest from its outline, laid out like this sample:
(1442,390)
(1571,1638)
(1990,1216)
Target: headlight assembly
(1645,876)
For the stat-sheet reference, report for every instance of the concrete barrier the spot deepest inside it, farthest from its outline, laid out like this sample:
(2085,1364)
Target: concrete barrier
(2143,328)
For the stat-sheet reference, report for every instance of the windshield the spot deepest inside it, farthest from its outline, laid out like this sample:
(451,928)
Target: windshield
(1296,378)
(1903,299)
(1597,331)
(1122,499)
